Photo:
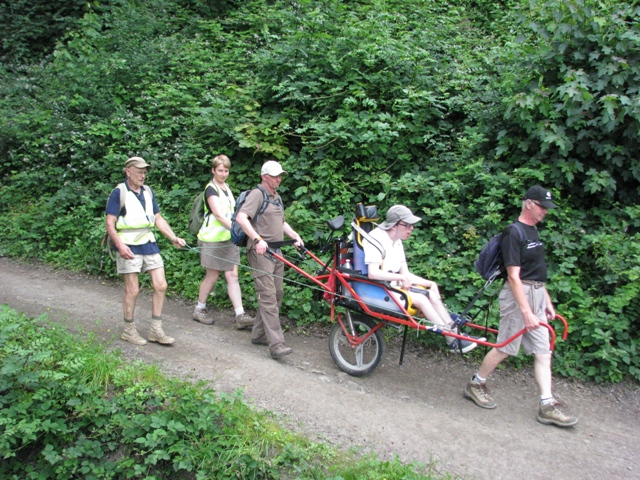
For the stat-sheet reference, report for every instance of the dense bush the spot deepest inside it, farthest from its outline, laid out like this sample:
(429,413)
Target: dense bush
(30,29)
(453,109)
(578,113)
(71,409)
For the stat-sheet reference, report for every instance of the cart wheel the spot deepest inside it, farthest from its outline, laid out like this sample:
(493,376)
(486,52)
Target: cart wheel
(364,358)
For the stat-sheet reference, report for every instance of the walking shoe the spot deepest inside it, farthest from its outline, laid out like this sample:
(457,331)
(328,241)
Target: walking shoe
(243,321)
(280,351)
(467,345)
(457,319)
(261,341)
(550,414)
(478,393)
(156,334)
(202,316)
(131,335)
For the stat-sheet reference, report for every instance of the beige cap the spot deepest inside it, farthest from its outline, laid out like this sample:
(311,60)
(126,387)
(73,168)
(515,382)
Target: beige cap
(396,214)
(137,162)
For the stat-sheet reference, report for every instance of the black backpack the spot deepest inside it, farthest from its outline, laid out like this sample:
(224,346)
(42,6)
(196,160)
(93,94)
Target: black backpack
(489,261)
(238,237)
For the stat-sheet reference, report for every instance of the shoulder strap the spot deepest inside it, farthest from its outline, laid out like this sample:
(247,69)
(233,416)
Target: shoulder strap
(370,239)
(207,210)
(150,191)
(123,192)
(265,201)
(519,229)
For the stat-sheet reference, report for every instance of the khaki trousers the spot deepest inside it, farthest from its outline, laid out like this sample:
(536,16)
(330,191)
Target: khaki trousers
(267,278)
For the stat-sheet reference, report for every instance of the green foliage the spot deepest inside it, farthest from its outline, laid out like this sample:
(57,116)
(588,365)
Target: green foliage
(451,108)
(70,409)
(30,29)
(577,109)
(603,298)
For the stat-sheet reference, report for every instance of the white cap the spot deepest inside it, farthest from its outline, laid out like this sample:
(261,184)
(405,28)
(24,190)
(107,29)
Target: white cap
(272,168)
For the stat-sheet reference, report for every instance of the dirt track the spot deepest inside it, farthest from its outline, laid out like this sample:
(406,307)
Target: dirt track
(416,411)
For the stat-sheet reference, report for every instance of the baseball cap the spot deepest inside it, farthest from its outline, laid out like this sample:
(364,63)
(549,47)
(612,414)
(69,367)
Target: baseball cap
(399,213)
(137,162)
(272,168)
(540,194)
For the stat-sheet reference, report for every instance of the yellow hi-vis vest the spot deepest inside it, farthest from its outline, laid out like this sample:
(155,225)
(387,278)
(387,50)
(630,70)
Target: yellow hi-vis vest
(212,229)
(134,228)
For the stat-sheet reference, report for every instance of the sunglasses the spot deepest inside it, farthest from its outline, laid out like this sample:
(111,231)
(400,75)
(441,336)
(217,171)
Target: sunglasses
(407,225)
(538,204)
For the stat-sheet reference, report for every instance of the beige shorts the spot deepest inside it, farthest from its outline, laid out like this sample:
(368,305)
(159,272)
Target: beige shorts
(511,322)
(139,263)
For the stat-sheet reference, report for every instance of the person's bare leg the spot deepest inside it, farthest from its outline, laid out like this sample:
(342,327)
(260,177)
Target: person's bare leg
(210,279)
(131,291)
(159,283)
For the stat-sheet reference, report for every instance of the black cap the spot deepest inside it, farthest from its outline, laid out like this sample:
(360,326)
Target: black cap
(541,194)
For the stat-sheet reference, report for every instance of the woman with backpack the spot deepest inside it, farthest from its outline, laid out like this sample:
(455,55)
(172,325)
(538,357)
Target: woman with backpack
(217,252)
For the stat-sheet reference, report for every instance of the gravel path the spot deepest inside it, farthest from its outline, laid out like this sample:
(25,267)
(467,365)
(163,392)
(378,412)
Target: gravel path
(415,411)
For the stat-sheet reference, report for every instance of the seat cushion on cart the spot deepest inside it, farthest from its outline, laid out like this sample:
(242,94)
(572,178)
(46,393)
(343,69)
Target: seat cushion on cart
(378,297)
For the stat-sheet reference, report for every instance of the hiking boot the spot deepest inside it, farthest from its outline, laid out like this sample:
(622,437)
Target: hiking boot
(261,341)
(466,345)
(280,351)
(202,316)
(131,335)
(478,393)
(550,414)
(157,334)
(243,321)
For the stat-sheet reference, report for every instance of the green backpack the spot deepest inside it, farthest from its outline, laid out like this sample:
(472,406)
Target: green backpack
(197,215)
(196,218)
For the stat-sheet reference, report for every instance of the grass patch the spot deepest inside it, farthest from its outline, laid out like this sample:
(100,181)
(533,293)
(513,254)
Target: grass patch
(71,409)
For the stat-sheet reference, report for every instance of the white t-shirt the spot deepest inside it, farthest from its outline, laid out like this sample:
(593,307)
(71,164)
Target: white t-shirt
(394,251)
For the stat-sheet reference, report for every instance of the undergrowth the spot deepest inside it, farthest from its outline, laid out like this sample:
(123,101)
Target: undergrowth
(69,408)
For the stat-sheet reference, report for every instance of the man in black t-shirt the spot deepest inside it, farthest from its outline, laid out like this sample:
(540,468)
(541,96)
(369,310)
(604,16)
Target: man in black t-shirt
(524,303)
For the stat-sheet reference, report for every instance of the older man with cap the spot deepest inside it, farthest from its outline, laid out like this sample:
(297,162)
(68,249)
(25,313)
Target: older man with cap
(524,303)
(131,213)
(268,227)
(392,267)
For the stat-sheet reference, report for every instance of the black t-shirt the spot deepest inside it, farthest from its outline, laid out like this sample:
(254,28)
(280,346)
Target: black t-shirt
(525,250)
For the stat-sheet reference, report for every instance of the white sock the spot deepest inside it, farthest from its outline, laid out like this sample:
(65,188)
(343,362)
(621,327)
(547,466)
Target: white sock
(201,306)
(239,311)
(477,378)
(546,400)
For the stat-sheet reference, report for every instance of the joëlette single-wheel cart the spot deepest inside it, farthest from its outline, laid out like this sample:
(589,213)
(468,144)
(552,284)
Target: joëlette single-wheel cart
(361,307)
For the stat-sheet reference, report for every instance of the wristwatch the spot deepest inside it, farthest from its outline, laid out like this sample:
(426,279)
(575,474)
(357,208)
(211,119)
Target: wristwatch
(257,240)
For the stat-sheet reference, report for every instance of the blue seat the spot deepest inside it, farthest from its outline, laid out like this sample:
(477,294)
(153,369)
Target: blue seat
(373,295)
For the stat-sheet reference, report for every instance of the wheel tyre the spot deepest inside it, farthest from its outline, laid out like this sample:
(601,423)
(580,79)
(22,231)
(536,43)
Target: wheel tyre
(364,358)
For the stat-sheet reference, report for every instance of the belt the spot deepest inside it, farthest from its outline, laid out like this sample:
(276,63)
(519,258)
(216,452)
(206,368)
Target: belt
(533,283)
